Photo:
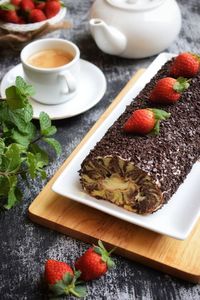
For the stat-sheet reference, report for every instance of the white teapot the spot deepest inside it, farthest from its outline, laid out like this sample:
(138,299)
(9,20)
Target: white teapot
(134,28)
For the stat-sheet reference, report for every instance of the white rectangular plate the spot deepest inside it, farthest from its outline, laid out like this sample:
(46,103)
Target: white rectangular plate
(176,218)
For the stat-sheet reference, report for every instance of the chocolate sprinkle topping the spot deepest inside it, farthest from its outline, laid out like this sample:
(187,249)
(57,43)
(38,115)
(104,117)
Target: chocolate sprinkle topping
(169,156)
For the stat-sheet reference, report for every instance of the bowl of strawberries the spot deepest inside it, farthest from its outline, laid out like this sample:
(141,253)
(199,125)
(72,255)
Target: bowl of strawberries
(25,16)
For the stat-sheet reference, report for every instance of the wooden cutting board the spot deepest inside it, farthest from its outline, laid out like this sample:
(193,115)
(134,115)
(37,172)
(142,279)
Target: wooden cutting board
(179,258)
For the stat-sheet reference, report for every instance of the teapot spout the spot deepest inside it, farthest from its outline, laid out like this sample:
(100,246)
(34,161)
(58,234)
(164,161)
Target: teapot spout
(109,39)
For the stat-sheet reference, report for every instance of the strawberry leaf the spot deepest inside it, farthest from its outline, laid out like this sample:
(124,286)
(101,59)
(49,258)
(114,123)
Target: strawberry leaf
(181,85)
(58,288)
(67,278)
(80,291)
(7,6)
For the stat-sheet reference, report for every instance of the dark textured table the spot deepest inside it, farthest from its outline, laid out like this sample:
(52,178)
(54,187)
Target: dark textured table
(25,246)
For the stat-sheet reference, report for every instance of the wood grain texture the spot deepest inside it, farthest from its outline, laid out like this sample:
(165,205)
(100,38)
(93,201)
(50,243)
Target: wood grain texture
(155,250)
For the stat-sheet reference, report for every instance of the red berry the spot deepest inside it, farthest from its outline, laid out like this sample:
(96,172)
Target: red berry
(15,2)
(27,5)
(144,121)
(55,270)
(94,262)
(40,5)
(36,15)
(185,65)
(11,16)
(168,90)
(61,278)
(52,8)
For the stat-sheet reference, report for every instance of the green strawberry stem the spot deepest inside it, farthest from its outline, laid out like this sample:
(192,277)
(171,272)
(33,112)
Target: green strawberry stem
(159,115)
(69,285)
(181,84)
(105,255)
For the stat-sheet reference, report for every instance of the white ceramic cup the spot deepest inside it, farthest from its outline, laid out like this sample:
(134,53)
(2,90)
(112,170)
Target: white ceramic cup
(52,85)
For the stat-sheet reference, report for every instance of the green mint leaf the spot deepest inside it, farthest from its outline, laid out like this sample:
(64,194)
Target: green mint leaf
(4,163)
(20,138)
(54,144)
(35,165)
(13,99)
(49,131)
(14,195)
(2,146)
(17,117)
(4,185)
(34,148)
(13,155)
(23,88)
(32,164)
(28,113)
(43,174)
(45,122)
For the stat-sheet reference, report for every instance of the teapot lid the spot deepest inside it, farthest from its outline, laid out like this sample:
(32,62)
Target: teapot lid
(135,4)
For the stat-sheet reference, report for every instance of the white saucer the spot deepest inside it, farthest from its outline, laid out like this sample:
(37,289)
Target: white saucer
(90,91)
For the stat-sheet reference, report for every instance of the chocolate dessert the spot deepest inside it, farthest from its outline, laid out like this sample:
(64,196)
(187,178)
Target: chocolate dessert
(141,173)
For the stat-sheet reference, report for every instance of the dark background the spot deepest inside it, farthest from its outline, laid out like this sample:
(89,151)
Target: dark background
(25,246)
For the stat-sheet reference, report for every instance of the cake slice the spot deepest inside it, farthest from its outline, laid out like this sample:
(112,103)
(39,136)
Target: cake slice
(141,173)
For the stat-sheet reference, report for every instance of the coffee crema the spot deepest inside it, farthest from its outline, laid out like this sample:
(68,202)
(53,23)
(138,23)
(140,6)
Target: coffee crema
(50,58)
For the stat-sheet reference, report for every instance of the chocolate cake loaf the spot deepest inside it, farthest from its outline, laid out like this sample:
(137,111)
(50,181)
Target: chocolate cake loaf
(141,173)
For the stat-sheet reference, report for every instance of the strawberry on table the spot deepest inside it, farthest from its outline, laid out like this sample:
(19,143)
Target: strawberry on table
(62,280)
(52,8)
(185,65)
(94,262)
(36,15)
(168,90)
(144,121)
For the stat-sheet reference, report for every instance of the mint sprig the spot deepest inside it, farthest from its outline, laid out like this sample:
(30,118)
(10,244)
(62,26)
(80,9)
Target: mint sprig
(21,154)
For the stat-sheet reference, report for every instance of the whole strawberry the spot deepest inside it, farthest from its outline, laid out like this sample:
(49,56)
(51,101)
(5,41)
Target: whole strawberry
(36,15)
(168,90)
(27,5)
(11,16)
(185,65)
(15,2)
(62,280)
(144,121)
(52,8)
(94,262)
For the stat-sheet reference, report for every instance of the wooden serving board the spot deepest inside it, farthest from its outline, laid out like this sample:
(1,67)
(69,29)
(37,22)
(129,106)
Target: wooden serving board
(179,258)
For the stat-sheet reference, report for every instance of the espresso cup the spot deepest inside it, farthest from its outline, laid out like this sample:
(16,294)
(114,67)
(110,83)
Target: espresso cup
(52,67)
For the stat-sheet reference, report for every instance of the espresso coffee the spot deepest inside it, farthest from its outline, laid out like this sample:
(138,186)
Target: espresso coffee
(50,58)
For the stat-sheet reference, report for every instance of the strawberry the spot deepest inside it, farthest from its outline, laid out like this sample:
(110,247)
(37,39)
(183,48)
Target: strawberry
(186,65)
(168,90)
(27,5)
(94,262)
(62,280)
(52,8)
(144,121)
(11,17)
(36,15)
(15,2)
(40,5)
